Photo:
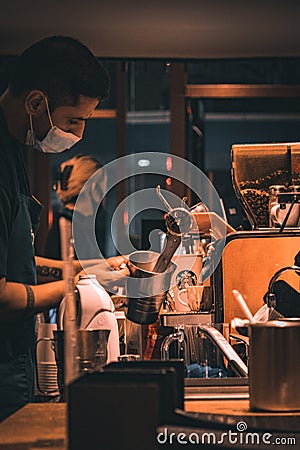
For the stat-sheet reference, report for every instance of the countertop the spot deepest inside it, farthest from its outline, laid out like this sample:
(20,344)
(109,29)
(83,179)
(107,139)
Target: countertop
(43,425)
(35,426)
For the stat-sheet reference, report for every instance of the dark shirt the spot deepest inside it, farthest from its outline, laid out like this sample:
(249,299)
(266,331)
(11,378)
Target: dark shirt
(53,243)
(13,181)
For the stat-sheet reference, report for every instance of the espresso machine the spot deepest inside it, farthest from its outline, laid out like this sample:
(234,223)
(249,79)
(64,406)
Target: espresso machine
(191,240)
(266,180)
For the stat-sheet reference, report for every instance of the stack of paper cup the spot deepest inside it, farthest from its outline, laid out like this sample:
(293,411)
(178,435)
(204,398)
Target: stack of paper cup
(46,368)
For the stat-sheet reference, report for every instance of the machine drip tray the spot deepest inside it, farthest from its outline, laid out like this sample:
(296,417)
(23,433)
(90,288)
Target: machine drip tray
(173,319)
(216,389)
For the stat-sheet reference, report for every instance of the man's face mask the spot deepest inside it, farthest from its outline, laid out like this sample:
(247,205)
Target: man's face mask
(56,140)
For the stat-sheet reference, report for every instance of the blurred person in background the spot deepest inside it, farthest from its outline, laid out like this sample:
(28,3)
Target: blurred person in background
(70,179)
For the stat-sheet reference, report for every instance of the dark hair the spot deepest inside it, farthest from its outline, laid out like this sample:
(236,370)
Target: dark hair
(63,68)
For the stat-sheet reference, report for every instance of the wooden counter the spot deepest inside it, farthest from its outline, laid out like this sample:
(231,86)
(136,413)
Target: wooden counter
(230,412)
(231,407)
(43,425)
(36,426)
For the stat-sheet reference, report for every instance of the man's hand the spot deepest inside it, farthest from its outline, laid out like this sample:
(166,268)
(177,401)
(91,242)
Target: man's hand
(110,272)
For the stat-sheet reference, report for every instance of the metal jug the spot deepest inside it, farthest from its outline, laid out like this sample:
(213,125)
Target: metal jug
(274,365)
(146,289)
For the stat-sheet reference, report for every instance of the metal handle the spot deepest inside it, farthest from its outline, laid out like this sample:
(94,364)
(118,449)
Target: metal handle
(271,298)
(165,346)
(226,349)
(165,257)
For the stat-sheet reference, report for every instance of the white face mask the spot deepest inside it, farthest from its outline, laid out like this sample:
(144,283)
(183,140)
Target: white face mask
(56,140)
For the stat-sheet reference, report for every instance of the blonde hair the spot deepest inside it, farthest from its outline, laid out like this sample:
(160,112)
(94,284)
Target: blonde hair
(83,167)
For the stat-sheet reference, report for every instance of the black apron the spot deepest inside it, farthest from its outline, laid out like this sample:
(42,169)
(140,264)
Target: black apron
(17,339)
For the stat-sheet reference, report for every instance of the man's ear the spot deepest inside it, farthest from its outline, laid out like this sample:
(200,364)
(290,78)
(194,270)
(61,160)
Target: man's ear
(35,102)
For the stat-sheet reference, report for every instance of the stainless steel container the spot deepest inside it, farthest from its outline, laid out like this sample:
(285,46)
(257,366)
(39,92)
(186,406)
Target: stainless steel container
(145,289)
(274,365)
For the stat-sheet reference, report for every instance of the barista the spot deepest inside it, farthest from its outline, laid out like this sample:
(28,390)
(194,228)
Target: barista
(56,85)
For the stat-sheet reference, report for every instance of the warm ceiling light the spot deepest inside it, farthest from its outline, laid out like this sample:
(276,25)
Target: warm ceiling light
(169,163)
(143,162)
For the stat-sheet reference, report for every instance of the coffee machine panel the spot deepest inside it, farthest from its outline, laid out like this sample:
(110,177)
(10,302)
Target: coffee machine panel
(249,260)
